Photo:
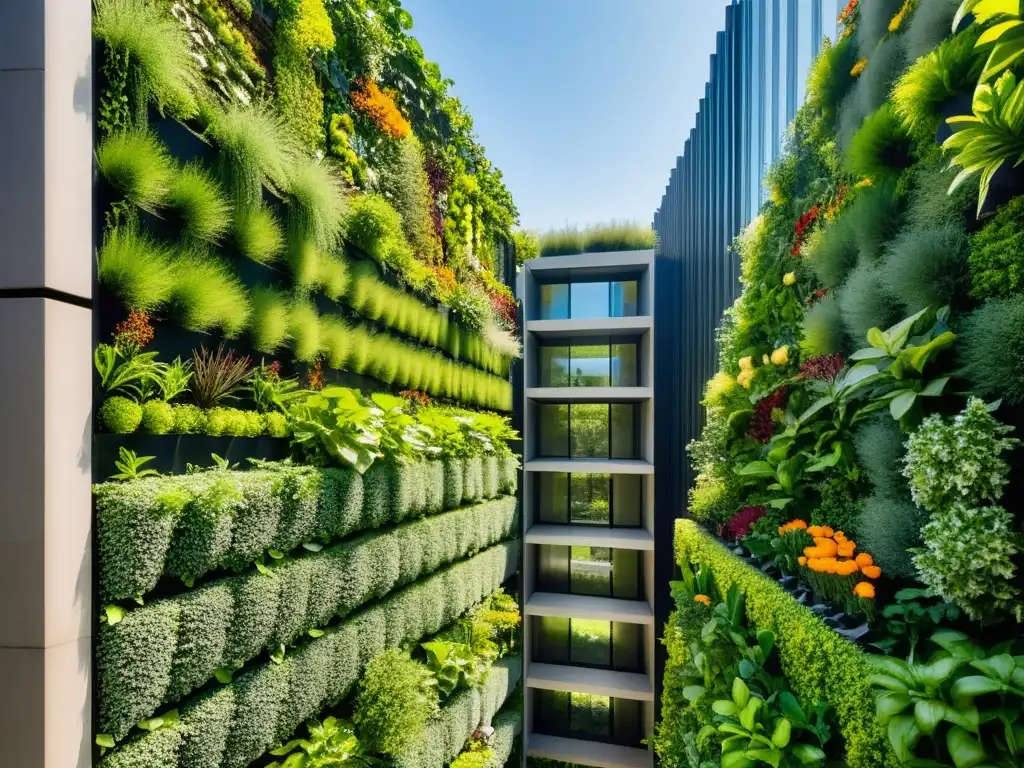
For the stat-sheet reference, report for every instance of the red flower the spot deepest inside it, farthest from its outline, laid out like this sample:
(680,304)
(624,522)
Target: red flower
(413,396)
(133,334)
(273,371)
(802,225)
(315,376)
(505,308)
(817,296)
(823,367)
(741,523)
(762,424)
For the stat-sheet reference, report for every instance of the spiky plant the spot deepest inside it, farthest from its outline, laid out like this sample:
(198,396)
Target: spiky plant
(207,295)
(258,235)
(138,166)
(561,242)
(218,376)
(304,330)
(618,236)
(271,317)
(162,68)
(135,268)
(335,338)
(880,148)
(199,203)
(316,208)
(373,225)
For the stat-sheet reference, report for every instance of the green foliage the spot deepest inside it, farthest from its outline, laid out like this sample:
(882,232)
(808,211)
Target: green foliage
(197,200)
(829,80)
(944,72)
(403,181)
(304,330)
(1004,29)
(527,245)
(135,268)
(129,465)
(331,744)
(929,27)
(875,218)
(597,238)
(819,663)
(889,527)
(394,703)
(335,427)
(823,330)
(157,417)
(258,235)
(254,150)
(188,420)
(375,227)
(866,301)
(833,254)
(880,452)
(928,268)
(997,253)
(885,65)
(839,508)
(120,415)
(990,349)
(931,205)
(157,49)
(137,165)
(207,295)
(880,148)
(271,318)
(218,375)
(317,208)
(454,666)
(873,17)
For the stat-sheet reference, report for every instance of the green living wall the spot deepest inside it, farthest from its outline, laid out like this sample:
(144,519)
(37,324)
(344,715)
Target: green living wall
(304,323)
(851,588)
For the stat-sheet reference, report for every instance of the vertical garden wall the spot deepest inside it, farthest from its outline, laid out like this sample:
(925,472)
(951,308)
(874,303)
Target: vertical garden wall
(305,500)
(851,587)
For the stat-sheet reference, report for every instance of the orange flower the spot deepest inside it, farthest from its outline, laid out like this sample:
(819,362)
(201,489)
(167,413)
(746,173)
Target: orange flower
(871,571)
(865,590)
(827,546)
(846,568)
(802,560)
(864,560)
(380,107)
(858,68)
(827,532)
(815,564)
(831,564)
(702,599)
(846,549)
(792,525)
(814,530)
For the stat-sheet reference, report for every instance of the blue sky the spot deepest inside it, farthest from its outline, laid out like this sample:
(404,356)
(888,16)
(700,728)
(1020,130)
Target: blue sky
(583,104)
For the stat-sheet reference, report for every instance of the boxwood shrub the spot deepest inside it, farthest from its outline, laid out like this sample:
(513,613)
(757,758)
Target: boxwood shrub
(266,703)
(160,652)
(818,663)
(189,525)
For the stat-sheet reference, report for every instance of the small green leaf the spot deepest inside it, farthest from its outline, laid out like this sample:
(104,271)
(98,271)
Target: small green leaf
(113,615)
(904,735)
(224,675)
(694,692)
(316,632)
(105,740)
(782,732)
(312,546)
(725,708)
(964,749)
(740,693)
(275,553)
(929,713)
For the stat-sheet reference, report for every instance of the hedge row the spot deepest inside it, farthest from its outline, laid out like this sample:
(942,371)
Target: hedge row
(158,653)
(186,526)
(463,713)
(508,724)
(233,725)
(818,663)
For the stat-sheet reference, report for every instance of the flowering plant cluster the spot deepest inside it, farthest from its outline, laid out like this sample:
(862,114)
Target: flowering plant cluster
(380,108)
(834,569)
(133,333)
(823,367)
(858,69)
(803,224)
(741,523)
(767,413)
(901,15)
(848,18)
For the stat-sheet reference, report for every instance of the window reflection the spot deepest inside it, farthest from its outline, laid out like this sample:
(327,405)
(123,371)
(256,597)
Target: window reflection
(595,571)
(588,716)
(588,365)
(588,499)
(588,300)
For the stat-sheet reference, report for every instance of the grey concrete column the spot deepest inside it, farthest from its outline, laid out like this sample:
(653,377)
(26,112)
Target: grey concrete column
(46,256)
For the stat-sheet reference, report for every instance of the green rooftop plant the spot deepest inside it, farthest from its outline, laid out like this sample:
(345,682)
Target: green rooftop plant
(208,295)
(135,268)
(156,46)
(157,417)
(562,242)
(258,235)
(196,198)
(137,165)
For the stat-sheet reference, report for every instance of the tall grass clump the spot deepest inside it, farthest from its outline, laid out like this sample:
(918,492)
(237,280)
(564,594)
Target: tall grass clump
(138,166)
(271,319)
(866,302)
(136,269)
(255,150)
(829,80)
(304,330)
(402,179)
(833,254)
(875,217)
(930,203)
(823,330)
(332,276)
(929,26)
(889,527)
(258,235)
(880,446)
(208,295)
(880,149)
(155,46)
(375,227)
(336,341)
(885,65)
(618,236)
(561,242)
(198,202)
(928,268)
(991,348)
(873,24)
(316,208)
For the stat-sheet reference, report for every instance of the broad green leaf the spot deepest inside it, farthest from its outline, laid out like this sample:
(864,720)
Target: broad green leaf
(937,672)
(782,732)
(105,740)
(757,469)
(224,676)
(771,757)
(693,692)
(748,715)
(808,754)
(902,403)
(889,704)
(736,760)
(791,708)
(934,387)
(877,339)
(928,713)
(904,735)
(967,688)
(965,750)
(740,693)
(998,667)
(725,708)
(113,614)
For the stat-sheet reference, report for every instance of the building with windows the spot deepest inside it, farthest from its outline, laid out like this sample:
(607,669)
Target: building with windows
(588,507)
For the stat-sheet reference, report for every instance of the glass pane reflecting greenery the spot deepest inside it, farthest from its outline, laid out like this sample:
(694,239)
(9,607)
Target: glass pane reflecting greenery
(624,364)
(590,365)
(624,298)
(589,499)
(554,367)
(627,647)
(624,438)
(628,724)
(588,300)
(554,430)
(591,642)
(554,302)
(590,715)
(589,422)
(627,500)
(553,569)
(627,580)
(552,497)
(590,571)
(551,640)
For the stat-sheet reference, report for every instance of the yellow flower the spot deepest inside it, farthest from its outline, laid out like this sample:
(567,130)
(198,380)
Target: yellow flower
(789,278)
(702,599)
(865,182)
(871,571)
(764,359)
(897,20)
(858,67)
(747,363)
(780,356)
(744,378)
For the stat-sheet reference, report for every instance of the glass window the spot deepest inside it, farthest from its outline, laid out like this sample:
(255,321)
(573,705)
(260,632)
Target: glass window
(588,300)
(590,571)
(589,430)
(624,298)
(554,366)
(590,715)
(590,643)
(553,569)
(627,722)
(551,640)
(627,500)
(624,365)
(590,365)
(627,580)
(589,499)
(554,302)
(552,497)
(627,647)
(624,438)
(554,430)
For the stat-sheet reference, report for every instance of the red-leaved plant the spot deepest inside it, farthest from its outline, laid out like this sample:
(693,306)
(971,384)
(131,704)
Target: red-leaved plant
(218,375)
(741,523)
(762,424)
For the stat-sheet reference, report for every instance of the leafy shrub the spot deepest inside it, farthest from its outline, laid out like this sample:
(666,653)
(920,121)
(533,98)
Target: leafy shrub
(990,349)
(374,226)
(823,329)
(157,45)
(866,303)
(873,24)
(277,425)
(135,268)
(889,528)
(834,254)
(562,242)
(208,295)
(527,245)
(880,148)
(997,253)
(401,178)
(188,420)
(225,421)
(258,235)
(120,415)
(928,268)
(829,80)
(618,236)
(157,417)
(394,703)
(197,200)
(875,218)
(838,508)
(137,165)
